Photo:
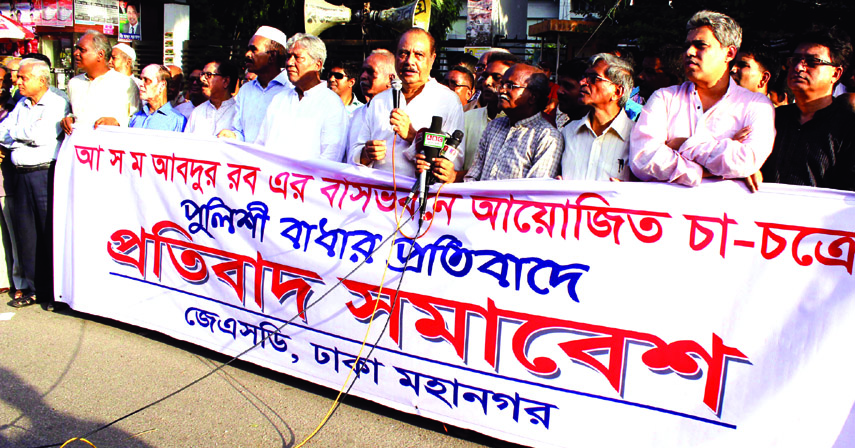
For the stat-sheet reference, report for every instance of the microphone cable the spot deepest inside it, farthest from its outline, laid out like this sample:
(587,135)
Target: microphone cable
(236,357)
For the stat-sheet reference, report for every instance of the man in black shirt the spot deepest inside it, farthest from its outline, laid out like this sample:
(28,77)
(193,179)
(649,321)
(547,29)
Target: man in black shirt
(815,141)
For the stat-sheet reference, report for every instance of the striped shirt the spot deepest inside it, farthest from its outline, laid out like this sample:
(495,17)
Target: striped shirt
(531,148)
(591,157)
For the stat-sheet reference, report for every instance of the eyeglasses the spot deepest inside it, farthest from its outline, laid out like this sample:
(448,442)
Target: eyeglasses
(336,75)
(510,86)
(810,61)
(453,85)
(592,78)
(208,75)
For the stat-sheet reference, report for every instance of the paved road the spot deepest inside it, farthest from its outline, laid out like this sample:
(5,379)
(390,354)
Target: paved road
(65,374)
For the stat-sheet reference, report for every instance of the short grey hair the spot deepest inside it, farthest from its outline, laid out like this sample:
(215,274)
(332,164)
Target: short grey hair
(726,30)
(100,42)
(619,72)
(314,46)
(40,69)
(538,85)
(387,59)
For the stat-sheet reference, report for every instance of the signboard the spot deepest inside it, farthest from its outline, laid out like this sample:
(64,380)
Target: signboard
(130,21)
(543,312)
(96,12)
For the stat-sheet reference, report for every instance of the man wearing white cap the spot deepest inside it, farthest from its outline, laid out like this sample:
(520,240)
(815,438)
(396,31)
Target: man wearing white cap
(122,61)
(265,57)
(308,122)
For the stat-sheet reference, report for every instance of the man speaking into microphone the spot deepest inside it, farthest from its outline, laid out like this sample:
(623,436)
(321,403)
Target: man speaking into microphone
(421,98)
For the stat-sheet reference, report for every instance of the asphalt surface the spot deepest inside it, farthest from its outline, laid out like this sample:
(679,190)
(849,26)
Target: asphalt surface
(65,374)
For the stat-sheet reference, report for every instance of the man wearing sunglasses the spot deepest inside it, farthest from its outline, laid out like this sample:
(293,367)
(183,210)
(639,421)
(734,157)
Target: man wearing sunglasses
(815,144)
(341,78)
(707,126)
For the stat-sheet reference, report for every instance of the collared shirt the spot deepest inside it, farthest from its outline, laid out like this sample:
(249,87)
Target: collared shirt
(207,119)
(819,153)
(531,148)
(588,156)
(251,105)
(32,131)
(434,100)
(163,119)
(312,127)
(351,108)
(109,95)
(476,121)
(677,112)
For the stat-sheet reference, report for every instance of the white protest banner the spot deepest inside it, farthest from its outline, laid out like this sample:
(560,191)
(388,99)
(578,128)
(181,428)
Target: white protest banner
(548,313)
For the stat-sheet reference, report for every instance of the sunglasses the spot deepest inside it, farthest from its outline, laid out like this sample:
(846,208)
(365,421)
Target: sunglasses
(809,61)
(337,75)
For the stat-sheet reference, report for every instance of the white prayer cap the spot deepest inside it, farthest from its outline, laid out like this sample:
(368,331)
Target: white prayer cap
(273,34)
(125,48)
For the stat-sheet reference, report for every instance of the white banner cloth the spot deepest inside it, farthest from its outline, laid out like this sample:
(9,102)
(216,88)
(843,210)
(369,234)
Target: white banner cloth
(547,313)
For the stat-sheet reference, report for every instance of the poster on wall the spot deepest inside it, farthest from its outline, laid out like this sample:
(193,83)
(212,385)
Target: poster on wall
(56,13)
(129,21)
(479,27)
(96,12)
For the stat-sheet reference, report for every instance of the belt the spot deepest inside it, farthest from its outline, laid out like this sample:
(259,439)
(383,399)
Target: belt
(32,168)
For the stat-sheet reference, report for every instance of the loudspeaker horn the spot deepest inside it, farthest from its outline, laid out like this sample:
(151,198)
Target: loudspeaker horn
(319,16)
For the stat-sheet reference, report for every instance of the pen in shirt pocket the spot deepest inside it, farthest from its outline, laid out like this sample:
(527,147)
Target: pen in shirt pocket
(621,164)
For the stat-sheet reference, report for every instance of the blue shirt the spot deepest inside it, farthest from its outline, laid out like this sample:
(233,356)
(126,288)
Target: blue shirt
(32,131)
(163,119)
(251,105)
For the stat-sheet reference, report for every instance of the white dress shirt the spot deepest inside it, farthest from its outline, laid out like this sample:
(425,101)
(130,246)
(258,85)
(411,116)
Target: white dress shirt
(588,156)
(312,127)
(251,105)
(677,112)
(109,95)
(356,122)
(207,119)
(434,100)
(32,131)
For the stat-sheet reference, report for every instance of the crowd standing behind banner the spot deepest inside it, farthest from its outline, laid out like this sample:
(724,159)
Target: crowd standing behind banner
(720,123)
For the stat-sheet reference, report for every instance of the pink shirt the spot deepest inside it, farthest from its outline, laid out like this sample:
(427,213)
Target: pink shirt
(676,111)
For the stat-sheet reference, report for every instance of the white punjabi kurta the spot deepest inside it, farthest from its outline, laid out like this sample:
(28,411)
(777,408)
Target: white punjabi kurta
(109,95)
(251,103)
(314,127)
(434,100)
(588,156)
(209,120)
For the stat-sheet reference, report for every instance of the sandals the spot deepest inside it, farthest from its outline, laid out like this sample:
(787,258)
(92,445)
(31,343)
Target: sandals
(23,301)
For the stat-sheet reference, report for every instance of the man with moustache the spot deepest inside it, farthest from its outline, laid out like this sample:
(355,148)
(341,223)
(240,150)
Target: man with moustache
(99,95)
(265,56)
(422,97)
(461,81)
(376,75)
(476,120)
(522,144)
(308,121)
(217,113)
(815,144)
(708,126)
(596,147)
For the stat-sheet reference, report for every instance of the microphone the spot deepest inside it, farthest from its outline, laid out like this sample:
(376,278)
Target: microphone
(450,151)
(434,141)
(396,91)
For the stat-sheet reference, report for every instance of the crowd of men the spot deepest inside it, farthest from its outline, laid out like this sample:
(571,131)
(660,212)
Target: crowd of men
(597,121)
